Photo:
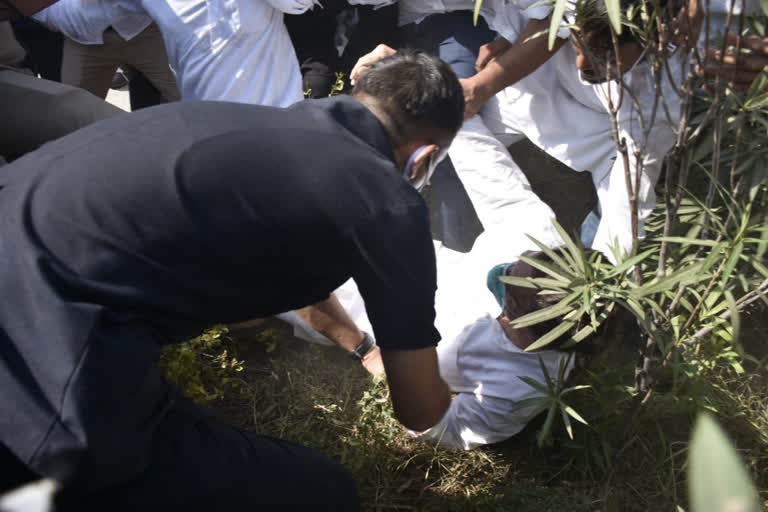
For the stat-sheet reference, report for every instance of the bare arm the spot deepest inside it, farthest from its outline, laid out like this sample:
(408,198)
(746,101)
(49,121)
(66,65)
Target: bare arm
(331,320)
(420,396)
(501,65)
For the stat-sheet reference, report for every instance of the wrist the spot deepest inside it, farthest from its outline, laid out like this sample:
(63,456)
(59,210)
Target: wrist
(363,348)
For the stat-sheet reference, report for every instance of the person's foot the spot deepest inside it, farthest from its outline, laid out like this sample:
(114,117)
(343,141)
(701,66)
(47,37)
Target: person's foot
(119,80)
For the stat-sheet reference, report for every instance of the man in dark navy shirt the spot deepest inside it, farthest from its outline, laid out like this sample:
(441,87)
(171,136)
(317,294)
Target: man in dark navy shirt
(148,227)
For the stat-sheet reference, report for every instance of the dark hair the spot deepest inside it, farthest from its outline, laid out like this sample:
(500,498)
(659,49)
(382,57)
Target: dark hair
(528,300)
(594,26)
(419,94)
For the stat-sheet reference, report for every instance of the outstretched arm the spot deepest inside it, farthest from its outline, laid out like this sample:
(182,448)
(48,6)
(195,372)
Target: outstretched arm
(501,64)
(420,396)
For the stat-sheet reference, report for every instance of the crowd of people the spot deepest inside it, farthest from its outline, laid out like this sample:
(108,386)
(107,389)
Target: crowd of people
(234,198)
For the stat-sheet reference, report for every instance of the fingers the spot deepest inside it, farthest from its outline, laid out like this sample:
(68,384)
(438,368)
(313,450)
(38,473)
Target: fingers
(491,50)
(755,43)
(380,52)
(740,69)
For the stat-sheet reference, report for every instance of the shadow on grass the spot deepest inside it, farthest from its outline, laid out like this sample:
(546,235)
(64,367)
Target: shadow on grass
(317,396)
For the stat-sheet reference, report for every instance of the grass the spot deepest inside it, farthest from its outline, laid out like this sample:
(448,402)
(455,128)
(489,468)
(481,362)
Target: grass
(316,396)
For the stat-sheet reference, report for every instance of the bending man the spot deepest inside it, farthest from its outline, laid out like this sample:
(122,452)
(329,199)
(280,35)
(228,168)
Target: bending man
(143,229)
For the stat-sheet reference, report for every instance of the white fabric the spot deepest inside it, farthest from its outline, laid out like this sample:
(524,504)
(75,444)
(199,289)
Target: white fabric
(293,6)
(569,119)
(375,3)
(229,50)
(84,21)
(493,11)
(484,368)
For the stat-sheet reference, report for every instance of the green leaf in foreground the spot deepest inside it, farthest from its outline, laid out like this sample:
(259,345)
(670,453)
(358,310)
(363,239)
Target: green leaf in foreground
(718,481)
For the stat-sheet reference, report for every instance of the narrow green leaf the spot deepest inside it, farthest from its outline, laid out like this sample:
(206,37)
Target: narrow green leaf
(549,269)
(687,241)
(530,402)
(735,315)
(554,23)
(574,414)
(567,423)
(683,277)
(573,248)
(476,15)
(538,386)
(575,388)
(614,14)
(733,259)
(552,335)
(553,255)
(631,262)
(546,429)
(555,310)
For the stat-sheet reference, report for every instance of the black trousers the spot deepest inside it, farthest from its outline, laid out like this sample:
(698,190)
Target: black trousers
(199,463)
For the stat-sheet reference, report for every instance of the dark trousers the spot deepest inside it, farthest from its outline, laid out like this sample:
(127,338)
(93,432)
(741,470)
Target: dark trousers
(314,38)
(199,463)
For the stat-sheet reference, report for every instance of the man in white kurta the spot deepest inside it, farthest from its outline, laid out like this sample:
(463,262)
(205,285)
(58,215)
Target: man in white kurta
(231,50)
(565,116)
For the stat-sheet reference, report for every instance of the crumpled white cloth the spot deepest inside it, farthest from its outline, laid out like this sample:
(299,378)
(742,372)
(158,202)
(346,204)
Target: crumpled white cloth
(84,21)
(229,50)
(293,6)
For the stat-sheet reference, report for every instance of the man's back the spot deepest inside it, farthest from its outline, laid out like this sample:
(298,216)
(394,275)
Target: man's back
(178,217)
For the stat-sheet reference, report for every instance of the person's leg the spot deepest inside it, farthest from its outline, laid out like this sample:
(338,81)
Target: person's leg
(89,67)
(43,48)
(141,91)
(312,35)
(198,463)
(452,37)
(146,52)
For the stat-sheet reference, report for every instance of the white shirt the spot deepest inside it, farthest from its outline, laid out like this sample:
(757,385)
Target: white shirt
(231,50)
(84,21)
(414,11)
(484,368)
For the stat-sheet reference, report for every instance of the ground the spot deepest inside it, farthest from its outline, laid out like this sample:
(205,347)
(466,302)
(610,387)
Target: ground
(317,396)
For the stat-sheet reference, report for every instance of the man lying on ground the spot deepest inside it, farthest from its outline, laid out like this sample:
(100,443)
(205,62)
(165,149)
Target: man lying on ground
(143,229)
(485,363)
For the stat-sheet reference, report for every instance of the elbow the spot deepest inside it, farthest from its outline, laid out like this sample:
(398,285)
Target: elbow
(418,424)
(422,418)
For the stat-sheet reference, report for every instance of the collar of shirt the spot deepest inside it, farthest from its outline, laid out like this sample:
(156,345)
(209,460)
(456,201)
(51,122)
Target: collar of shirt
(358,120)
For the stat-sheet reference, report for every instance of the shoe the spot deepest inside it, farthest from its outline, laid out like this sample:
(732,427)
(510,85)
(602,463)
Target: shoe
(119,80)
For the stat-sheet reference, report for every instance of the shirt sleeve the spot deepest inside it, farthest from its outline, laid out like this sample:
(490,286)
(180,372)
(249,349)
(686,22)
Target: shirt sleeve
(471,422)
(396,275)
(647,127)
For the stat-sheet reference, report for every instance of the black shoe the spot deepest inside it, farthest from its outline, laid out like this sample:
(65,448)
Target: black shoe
(119,80)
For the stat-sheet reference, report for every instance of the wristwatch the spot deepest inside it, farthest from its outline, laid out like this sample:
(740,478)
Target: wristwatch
(364,347)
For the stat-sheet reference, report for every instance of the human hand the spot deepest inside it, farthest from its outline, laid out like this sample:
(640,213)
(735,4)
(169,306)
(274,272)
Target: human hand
(490,51)
(476,94)
(364,62)
(372,362)
(738,68)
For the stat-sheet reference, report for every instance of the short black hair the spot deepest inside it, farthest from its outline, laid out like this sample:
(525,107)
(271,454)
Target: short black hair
(418,93)
(594,25)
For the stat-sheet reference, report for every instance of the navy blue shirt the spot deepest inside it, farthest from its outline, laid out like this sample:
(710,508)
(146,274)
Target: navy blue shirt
(150,226)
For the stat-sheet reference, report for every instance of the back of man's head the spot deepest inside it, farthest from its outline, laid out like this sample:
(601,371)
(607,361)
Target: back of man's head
(418,96)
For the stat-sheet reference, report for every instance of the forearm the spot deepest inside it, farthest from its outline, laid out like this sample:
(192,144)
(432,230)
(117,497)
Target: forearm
(520,59)
(331,320)
(420,397)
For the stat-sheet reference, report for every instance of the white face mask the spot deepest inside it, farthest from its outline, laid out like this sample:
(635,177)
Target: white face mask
(434,159)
